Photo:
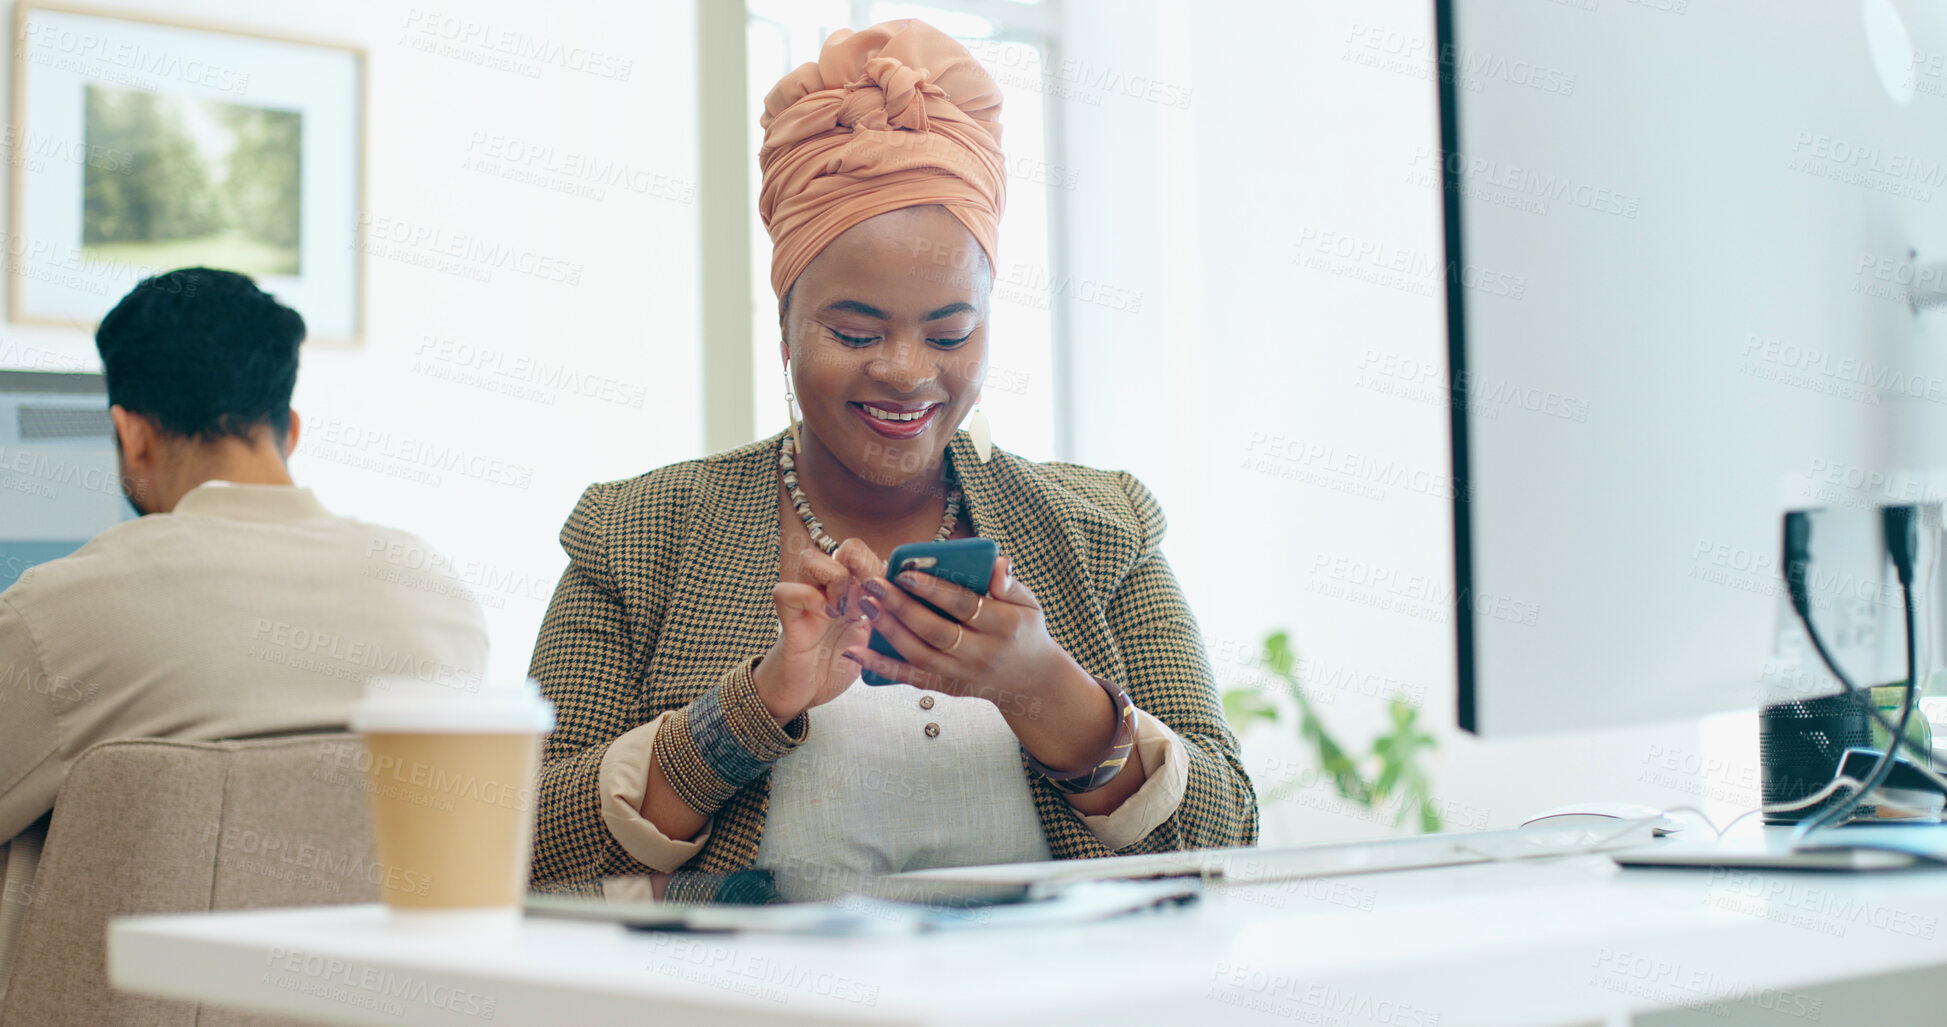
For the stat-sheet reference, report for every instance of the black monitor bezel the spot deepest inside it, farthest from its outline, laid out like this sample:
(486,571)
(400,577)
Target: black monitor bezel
(1466,674)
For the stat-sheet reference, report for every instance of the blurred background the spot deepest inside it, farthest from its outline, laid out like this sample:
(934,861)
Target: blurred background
(1221,269)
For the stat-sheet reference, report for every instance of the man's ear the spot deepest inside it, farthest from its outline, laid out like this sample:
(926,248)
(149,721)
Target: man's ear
(290,437)
(137,435)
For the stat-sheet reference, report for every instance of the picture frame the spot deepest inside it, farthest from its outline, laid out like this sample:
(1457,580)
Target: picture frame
(140,144)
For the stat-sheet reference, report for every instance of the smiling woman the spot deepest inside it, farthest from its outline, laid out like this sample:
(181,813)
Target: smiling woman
(710,606)
(889,357)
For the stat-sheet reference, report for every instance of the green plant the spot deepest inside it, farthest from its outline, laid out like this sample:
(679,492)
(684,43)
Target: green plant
(1391,769)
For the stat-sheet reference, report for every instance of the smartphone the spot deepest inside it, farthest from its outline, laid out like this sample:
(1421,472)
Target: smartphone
(967,562)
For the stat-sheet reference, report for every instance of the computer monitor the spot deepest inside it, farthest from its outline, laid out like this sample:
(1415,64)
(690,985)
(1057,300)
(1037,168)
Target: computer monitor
(1730,220)
(58,481)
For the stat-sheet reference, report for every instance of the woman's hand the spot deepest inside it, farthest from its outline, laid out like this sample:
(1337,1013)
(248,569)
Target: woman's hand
(994,647)
(820,618)
(997,647)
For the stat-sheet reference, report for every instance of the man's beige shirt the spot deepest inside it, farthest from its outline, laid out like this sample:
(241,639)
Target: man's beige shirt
(249,610)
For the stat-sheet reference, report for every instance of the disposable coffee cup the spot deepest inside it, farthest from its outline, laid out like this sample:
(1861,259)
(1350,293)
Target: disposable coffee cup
(453,778)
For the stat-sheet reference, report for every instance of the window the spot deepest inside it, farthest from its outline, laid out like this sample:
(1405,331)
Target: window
(1011,39)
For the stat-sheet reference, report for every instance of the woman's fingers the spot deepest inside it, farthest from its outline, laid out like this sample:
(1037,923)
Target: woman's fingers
(809,671)
(838,574)
(1008,588)
(899,670)
(858,559)
(816,568)
(888,621)
(998,578)
(962,604)
(830,577)
(796,603)
(937,632)
(958,603)
(884,666)
(846,632)
(840,635)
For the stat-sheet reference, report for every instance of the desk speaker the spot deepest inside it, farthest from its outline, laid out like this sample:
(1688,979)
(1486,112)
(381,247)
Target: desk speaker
(1800,745)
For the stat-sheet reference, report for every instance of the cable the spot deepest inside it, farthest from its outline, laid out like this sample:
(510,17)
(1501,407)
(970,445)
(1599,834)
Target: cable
(1815,798)
(1720,832)
(1901,542)
(1822,794)
(1734,822)
(1796,564)
(1932,634)
(1909,744)
(1841,811)
(1906,742)
(1634,825)
(1717,833)
(1705,817)
(1898,523)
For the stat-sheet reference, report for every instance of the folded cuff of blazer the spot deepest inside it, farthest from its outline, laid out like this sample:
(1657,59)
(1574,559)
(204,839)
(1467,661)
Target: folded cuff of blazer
(723,741)
(1167,762)
(624,778)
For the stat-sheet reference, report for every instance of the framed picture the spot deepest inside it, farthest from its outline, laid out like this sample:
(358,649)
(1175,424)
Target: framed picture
(140,145)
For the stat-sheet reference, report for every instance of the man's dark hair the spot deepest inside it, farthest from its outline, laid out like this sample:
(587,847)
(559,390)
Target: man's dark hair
(203,353)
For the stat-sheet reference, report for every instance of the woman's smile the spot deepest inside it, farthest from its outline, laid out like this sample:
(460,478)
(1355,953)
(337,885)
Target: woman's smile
(896,420)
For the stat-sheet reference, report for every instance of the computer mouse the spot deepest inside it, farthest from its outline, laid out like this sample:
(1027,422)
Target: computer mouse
(1594,814)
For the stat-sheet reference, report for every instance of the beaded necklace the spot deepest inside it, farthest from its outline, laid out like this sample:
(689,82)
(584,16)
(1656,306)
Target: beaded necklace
(786,460)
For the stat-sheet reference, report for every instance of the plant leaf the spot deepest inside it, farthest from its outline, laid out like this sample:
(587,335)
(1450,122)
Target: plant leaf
(1394,753)
(1243,706)
(1429,817)
(1388,776)
(1277,653)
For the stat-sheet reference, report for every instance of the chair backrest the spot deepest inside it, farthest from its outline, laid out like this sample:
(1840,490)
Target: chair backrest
(164,826)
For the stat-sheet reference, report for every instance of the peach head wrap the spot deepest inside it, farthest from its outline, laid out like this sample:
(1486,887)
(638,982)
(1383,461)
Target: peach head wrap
(898,115)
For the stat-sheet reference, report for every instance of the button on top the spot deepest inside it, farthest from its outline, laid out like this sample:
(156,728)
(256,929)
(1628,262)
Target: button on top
(925,702)
(932,730)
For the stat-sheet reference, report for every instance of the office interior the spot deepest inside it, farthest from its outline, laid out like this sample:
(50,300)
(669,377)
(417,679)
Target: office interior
(1224,267)
(1228,356)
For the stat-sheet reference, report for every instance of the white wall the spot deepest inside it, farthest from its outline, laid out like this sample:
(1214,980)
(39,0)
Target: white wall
(451,364)
(1289,411)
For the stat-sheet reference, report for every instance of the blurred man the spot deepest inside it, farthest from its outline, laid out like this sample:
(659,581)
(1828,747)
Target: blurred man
(238,605)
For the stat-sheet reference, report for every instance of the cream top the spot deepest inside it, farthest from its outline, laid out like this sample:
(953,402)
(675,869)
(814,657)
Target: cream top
(871,791)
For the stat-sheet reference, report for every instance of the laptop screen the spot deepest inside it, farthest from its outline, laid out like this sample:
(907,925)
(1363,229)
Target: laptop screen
(58,481)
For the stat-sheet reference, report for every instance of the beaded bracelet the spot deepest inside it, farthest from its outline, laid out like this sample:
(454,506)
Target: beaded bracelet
(726,739)
(1113,760)
(750,887)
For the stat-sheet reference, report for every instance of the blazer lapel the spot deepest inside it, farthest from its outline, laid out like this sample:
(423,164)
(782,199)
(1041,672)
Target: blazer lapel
(1035,526)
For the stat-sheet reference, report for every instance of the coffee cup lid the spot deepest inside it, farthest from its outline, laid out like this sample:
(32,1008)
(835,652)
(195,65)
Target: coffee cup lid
(412,706)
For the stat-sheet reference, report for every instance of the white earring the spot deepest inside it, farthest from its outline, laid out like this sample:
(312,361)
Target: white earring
(982,433)
(790,409)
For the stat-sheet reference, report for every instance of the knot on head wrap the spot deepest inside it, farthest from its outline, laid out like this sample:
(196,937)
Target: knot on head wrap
(898,115)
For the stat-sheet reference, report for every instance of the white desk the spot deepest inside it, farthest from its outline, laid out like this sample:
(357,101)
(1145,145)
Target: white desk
(1573,940)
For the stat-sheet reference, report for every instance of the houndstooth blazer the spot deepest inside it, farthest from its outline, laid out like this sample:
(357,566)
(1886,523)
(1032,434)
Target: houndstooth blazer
(668,587)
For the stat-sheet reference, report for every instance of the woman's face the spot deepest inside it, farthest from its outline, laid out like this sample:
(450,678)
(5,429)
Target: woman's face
(886,334)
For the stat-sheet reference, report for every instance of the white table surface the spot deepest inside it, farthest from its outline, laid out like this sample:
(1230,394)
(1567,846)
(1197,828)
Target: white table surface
(1566,940)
